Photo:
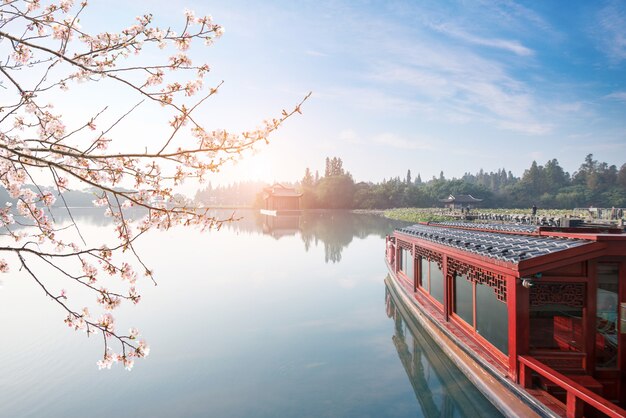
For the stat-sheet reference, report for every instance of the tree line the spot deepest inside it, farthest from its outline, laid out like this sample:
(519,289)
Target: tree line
(548,186)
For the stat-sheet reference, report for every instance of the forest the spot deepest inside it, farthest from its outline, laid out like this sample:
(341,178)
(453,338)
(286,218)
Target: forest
(547,186)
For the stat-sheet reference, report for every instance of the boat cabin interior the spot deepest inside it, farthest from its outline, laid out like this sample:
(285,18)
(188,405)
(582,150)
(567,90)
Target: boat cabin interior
(544,306)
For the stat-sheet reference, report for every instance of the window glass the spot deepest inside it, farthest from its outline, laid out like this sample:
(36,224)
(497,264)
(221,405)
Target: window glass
(424,274)
(556,327)
(556,316)
(436,281)
(407,263)
(464,299)
(606,316)
(492,318)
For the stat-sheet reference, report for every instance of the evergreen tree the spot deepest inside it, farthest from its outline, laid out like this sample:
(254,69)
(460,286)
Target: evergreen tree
(307,180)
(621,176)
(336,167)
(584,173)
(408,176)
(555,176)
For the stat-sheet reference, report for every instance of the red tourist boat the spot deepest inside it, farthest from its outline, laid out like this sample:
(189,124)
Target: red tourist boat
(534,316)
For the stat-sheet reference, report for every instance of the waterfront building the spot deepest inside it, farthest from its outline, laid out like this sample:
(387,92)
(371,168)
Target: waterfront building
(460,201)
(278,198)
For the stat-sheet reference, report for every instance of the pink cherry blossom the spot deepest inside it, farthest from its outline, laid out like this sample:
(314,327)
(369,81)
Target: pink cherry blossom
(44,153)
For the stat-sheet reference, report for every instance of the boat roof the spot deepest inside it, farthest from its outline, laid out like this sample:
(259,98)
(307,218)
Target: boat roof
(508,247)
(496,227)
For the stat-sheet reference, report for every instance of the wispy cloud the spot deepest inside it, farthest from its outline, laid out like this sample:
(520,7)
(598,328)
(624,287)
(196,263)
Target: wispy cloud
(397,141)
(505,44)
(509,13)
(528,128)
(349,136)
(612,38)
(314,53)
(458,85)
(618,95)
(372,99)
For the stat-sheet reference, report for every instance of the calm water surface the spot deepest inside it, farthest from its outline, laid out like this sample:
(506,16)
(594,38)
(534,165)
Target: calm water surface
(268,317)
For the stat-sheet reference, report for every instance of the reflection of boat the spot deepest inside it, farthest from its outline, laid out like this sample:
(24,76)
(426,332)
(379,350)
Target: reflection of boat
(530,314)
(429,369)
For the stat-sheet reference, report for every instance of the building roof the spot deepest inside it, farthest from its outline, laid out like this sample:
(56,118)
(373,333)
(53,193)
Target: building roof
(498,246)
(279,190)
(496,227)
(460,198)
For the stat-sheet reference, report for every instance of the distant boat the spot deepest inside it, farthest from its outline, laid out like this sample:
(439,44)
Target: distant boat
(534,316)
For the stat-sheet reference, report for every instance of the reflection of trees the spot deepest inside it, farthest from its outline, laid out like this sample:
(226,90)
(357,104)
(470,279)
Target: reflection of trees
(88,216)
(333,229)
(336,229)
(440,388)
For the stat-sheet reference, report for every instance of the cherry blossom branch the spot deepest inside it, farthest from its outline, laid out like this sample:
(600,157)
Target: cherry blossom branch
(49,53)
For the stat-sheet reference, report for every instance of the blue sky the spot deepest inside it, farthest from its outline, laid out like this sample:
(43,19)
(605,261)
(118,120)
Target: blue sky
(421,85)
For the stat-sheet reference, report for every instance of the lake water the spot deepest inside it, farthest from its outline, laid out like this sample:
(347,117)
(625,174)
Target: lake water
(269,317)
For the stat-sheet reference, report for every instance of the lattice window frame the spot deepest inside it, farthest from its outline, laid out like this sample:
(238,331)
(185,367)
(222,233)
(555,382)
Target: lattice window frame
(479,275)
(404,245)
(429,255)
(568,294)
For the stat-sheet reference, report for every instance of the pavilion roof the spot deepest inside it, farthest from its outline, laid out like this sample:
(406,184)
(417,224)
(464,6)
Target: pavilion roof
(506,247)
(279,190)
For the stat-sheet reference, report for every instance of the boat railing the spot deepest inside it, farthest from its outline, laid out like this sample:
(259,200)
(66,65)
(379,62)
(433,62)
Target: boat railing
(577,395)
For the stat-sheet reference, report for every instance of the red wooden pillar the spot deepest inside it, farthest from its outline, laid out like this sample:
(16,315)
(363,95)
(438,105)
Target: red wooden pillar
(621,361)
(589,315)
(415,272)
(512,302)
(398,255)
(574,406)
(525,376)
(446,287)
(522,333)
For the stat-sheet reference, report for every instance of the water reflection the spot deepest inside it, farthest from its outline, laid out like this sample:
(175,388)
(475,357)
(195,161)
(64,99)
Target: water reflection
(334,229)
(430,371)
(289,315)
(280,226)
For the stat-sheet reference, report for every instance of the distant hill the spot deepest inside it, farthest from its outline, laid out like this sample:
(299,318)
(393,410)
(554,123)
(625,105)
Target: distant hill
(73,198)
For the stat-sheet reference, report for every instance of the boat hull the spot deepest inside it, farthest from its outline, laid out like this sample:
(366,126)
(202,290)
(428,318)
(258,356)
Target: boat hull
(510,398)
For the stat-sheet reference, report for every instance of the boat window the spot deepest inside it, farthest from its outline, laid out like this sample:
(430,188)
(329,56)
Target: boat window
(606,317)
(407,263)
(436,281)
(464,299)
(492,319)
(556,311)
(423,277)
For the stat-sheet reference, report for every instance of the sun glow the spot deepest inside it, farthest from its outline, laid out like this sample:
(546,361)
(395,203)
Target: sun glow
(261,167)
